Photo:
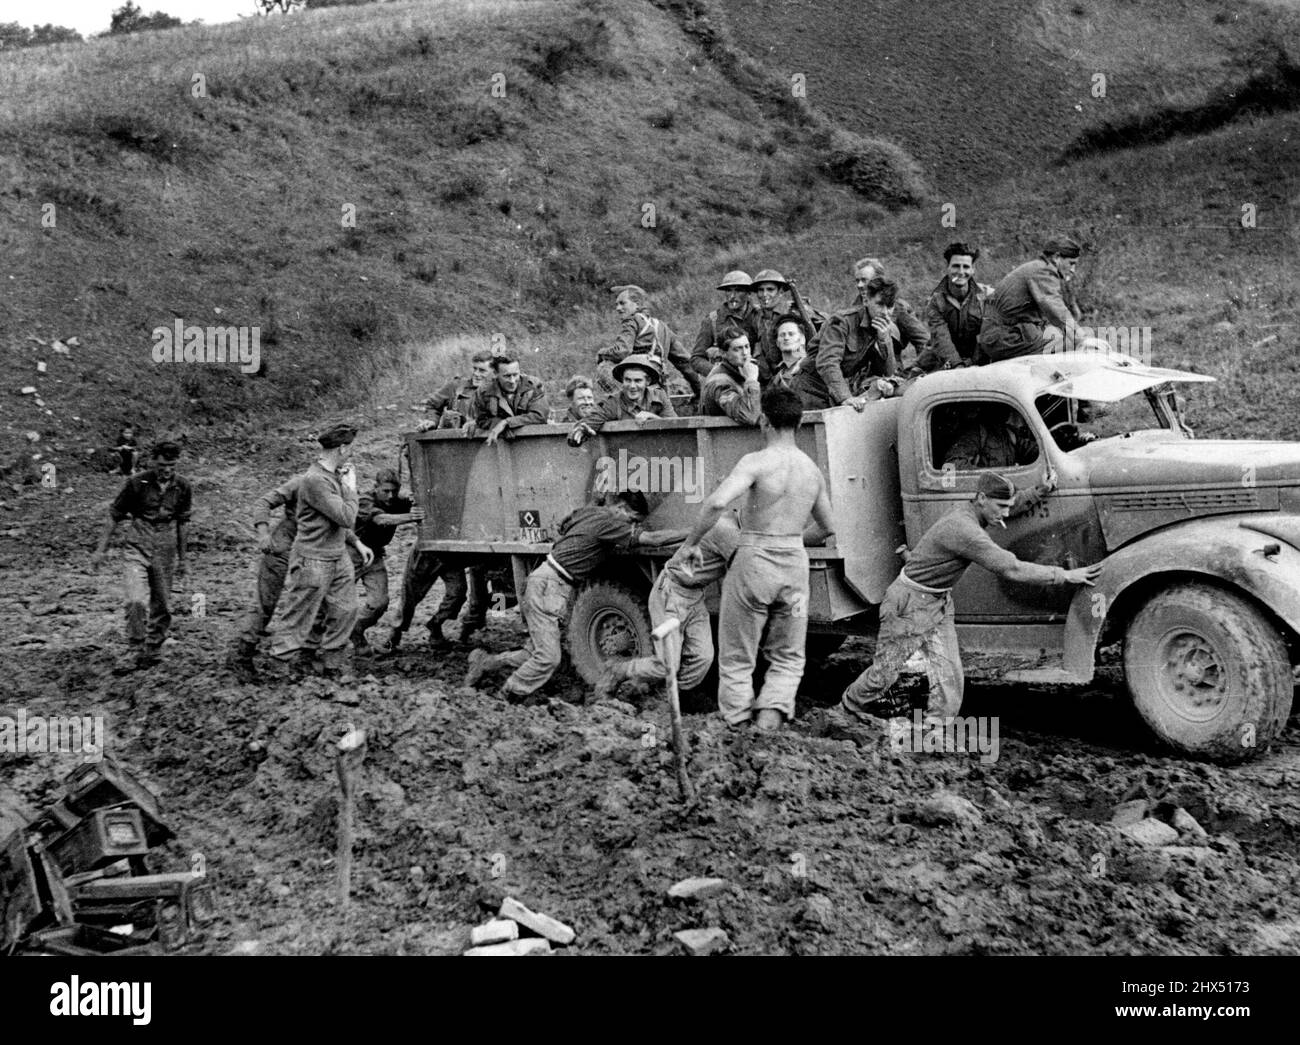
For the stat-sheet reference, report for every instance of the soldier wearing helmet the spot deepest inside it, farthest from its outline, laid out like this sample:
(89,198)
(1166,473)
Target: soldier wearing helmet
(737,308)
(641,397)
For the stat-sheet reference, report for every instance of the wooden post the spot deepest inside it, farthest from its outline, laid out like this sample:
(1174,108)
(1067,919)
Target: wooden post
(351,753)
(660,633)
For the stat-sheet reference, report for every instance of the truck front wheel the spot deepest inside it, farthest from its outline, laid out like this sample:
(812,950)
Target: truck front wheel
(1208,672)
(608,621)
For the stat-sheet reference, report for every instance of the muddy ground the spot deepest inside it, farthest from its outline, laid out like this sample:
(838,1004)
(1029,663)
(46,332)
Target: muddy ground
(830,843)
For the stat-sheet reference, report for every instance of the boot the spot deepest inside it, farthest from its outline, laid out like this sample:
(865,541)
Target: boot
(436,638)
(481,662)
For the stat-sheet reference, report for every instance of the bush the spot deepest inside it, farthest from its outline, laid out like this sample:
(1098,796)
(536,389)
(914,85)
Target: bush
(876,170)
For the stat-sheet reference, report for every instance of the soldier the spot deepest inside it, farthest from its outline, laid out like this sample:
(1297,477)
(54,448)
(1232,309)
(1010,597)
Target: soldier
(1027,312)
(769,285)
(954,312)
(272,565)
(158,502)
(640,398)
(679,592)
(379,514)
(128,451)
(917,612)
(858,353)
(912,329)
(765,593)
(508,401)
(792,341)
(321,582)
(995,437)
(644,335)
(582,399)
(731,389)
(587,536)
(738,309)
(462,577)
(452,406)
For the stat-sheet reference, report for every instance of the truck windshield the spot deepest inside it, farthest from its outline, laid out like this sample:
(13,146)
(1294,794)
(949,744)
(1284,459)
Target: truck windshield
(1074,423)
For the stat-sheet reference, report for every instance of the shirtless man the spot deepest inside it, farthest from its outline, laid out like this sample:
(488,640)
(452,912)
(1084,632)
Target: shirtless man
(767,583)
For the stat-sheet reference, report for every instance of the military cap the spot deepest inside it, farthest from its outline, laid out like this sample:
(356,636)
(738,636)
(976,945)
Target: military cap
(1063,246)
(337,435)
(166,450)
(640,361)
(771,276)
(736,279)
(997,487)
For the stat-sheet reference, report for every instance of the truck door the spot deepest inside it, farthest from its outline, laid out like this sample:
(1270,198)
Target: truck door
(957,440)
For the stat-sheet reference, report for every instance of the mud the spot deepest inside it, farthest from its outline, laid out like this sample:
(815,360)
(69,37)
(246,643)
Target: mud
(829,842)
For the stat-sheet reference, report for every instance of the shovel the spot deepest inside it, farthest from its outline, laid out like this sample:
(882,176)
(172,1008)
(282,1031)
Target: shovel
(660,633)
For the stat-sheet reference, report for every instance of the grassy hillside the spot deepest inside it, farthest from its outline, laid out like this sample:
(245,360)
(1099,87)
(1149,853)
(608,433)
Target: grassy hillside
(501,159)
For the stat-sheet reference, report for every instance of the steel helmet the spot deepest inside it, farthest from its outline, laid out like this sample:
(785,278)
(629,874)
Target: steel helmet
(771,276)
(640,361)
(736,279)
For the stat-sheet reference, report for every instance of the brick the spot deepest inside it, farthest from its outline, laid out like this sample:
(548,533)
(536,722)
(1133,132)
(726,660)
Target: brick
(1128,813)
(499,930)
(1150,832)
(515,948)
(700,942)
(697,888)
(543,925)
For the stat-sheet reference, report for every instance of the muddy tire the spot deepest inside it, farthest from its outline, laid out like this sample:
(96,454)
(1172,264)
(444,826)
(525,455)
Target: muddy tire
(608,621)
(817,647)
(1208,672)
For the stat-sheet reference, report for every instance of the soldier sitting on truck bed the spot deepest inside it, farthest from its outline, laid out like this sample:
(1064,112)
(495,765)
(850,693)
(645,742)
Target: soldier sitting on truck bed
(917,611)
(731,389)
(954,312)
(765,593)
(640,398)
(452,406)
(737,309)
(582,399)
(587,536)
(679,592)
(1027,312)
(792,341)
(769,285)
(858,354)
(507,401)
(642,334)
(379,514)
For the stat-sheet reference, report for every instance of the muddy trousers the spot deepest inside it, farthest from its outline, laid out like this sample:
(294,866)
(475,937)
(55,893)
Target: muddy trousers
(459,583)
(374,582)
(148,589)
(688,651)
(913,618)
(316,588)
(766,588)
(271,570)
(545,603)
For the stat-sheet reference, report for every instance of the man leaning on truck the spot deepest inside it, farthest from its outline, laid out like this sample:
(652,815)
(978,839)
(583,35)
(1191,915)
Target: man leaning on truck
(917,612)
(587,537)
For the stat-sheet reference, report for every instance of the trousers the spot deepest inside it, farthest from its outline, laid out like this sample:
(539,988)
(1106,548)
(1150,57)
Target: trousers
(688,652)
(271,570)
(764,600)
(912,619)
(374,582)
(148,588)
(324,588)
(544,604)
(459,583)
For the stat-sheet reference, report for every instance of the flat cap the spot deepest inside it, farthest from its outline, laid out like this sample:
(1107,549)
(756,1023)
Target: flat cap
(337,435)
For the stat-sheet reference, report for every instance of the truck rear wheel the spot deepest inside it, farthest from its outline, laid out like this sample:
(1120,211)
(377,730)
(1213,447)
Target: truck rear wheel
(609,621)
(1208,672)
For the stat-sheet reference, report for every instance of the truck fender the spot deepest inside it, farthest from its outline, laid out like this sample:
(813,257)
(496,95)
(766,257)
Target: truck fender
(1221,550)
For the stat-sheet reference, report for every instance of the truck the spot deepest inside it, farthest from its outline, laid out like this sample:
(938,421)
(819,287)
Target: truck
(1198,598)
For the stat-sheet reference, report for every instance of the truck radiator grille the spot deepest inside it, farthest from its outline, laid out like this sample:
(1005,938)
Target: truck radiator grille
(1188,500)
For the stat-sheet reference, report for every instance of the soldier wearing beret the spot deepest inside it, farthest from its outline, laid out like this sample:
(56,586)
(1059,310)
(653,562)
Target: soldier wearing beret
(1027,312)
(321,582)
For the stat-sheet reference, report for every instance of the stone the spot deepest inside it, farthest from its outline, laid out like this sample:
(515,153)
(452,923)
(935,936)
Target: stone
(1150,832)
(543,925)
(1127,813)
(697,888)
(499,930)
(28,390)
(819,911)
(1184,821)
(515,949)
(947,808)
(700,942)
